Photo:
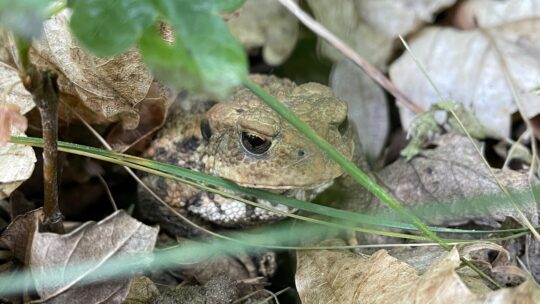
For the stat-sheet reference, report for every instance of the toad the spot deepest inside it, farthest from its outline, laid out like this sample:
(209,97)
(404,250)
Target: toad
(245,141)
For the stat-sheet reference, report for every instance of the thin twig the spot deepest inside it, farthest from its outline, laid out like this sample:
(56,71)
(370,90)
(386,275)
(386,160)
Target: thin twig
(346,50)
(44,89)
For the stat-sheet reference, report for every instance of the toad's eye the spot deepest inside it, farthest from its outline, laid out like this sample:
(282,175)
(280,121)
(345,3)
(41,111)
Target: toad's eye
(254,143)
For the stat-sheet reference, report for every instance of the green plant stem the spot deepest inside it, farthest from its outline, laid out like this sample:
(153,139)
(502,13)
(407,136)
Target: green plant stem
(351,169)
(348,166)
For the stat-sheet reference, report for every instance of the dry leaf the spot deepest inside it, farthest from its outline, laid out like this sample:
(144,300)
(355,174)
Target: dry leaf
(442,184)
(371,27)
(465,67)
(153,113)
(111,87)
(119,235)
(18,235)
(342,19)
(325,276)
(368,108)
(488,13)
(16,161)
(400,17)
(266,24)
(16,166)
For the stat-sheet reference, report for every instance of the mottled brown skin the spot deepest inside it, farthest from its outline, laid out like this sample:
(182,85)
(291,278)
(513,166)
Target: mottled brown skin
(219,142)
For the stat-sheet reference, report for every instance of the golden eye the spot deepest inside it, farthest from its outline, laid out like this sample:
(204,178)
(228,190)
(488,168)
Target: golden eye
(254,143)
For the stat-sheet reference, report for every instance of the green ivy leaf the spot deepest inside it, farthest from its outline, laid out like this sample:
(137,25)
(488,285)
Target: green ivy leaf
(23,17)
(108,27)
(204,57)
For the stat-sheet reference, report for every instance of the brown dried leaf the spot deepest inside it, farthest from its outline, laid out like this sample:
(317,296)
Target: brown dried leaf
(116,236)
(368,108)
(266,24)
(446,177)
(111,87)
(325,276)
(465,67)
(18,235)
(153,113)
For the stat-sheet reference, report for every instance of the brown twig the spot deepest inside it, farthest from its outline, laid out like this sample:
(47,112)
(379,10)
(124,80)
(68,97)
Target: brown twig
(44,89)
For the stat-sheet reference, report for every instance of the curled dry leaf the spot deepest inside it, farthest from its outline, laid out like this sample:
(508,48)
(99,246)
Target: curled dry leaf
(18,235)
(368,108)
(266,24)
(465,67)
(325,276)
(119,235)
(111,88)
(450,185)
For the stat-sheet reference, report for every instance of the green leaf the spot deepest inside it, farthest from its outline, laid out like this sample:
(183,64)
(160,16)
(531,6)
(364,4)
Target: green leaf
(227,6)
(23,17)
(107,27)
(204,56)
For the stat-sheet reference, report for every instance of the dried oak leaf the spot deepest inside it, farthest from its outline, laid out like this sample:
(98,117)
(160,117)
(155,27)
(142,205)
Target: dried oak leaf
(450,185)
(466,67)
(325,276)
(109,87)
(266,24)
(118,235)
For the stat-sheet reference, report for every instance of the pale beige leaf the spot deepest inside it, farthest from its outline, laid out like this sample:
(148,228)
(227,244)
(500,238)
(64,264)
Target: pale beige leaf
(266,24)
(368,107)
(16,166)
(341,18)
(118,235)
(400,17)
(111,87)
(12,89)
(465,67)
(488,13)
(325,276)
(341,277)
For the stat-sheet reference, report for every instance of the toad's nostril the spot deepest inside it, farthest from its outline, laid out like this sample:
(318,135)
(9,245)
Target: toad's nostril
(301,153)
